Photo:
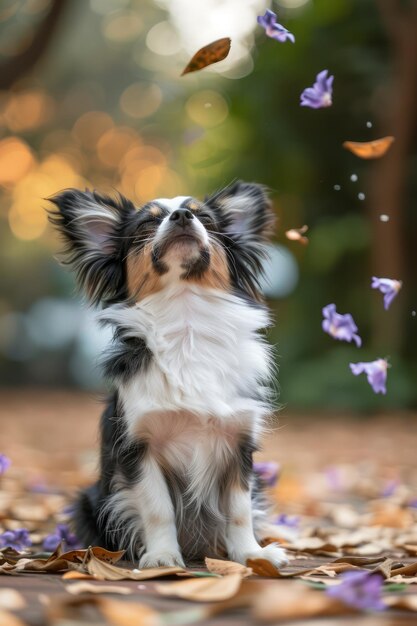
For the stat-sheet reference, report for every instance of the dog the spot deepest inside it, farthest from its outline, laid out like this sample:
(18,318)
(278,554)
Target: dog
(178,282)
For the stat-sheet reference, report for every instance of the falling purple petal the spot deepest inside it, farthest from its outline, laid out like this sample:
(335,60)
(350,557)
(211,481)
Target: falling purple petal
(376,372)
(362,590)
(389,287)
(62,533)
(268,472)
(5,463)
(320,94)
(273,29)
(17,539)
(339,326)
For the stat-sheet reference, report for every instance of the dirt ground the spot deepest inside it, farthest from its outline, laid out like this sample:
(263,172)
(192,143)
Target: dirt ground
(52,431)
(332,466)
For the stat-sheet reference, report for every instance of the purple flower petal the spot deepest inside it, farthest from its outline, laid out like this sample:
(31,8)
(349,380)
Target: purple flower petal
(268,471)
(362,590)
(341,327)
(376,372)
(320,94)
(61,533)
(5,463)
(18,539)
(273,29)
(390,488)
(287,520)
(389,287)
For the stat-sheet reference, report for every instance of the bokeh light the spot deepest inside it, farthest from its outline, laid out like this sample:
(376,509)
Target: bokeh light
(163,39)
(122,26)
(16,159)
(141,100)
(207,108)
(90,126)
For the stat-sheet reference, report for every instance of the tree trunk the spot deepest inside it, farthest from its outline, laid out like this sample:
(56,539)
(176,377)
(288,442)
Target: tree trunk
(18,66)
(388,180)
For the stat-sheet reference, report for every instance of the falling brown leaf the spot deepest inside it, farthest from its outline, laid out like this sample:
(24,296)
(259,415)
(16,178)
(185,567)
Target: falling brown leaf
(11,600)
(203,589)
(217,566)
(84,587)
(369,149)
(290,601)
(212,53)
(297,234)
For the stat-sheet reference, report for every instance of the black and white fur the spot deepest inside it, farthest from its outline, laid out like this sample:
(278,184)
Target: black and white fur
(177,280)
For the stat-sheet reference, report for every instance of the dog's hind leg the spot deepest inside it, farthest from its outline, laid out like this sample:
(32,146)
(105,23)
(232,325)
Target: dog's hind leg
(85,516)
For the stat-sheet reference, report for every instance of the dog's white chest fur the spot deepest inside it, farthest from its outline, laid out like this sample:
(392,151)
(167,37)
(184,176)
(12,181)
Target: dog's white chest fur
(207,358)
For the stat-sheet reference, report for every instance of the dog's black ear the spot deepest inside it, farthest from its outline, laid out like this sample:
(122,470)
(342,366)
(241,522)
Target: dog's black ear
(91,228)
(244,212)
(244,215)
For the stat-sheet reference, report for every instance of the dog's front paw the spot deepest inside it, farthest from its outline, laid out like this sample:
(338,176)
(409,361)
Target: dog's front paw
(161,559)
(273,554)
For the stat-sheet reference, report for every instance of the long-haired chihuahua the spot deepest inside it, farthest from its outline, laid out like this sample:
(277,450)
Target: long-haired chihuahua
(178,281)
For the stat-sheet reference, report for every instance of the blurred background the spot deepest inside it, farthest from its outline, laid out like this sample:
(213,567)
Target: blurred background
(91,95)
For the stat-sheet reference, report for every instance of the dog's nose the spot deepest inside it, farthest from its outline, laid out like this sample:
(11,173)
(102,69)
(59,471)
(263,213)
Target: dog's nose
(181,216)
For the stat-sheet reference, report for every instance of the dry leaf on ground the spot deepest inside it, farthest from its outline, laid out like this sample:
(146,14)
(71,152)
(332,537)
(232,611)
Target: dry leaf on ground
(287,601)
(8,619)
(217,566)
(212,53)
(74,575)
(11,600)
(402,579)
(403,603)
(84,587)
(203,589)
(406,570)
(107,571)
(118,613)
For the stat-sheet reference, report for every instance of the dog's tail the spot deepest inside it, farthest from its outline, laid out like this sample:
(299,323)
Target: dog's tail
(85,516)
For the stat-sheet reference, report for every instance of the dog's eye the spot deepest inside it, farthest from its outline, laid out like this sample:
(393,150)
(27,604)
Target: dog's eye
(152,220)
(206,219)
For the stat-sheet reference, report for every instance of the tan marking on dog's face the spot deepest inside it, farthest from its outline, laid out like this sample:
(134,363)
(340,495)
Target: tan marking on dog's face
(155,210)
(193,205)
(142,279)
(217,275)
